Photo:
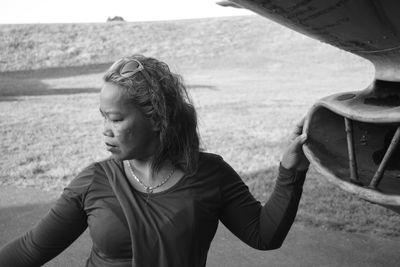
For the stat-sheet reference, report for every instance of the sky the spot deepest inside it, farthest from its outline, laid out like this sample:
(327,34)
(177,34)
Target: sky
(69,11)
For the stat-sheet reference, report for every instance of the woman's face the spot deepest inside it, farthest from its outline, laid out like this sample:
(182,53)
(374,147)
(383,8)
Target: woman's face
(128,134)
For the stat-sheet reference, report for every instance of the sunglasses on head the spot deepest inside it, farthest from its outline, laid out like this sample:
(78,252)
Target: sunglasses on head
(131,68)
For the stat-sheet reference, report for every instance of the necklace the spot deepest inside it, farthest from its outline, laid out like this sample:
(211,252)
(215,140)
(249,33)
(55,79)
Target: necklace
(150,189)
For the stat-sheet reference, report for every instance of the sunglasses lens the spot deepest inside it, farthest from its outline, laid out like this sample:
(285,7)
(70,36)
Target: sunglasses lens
(130,68)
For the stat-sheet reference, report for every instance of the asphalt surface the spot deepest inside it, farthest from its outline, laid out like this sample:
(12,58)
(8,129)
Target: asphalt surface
(21,209)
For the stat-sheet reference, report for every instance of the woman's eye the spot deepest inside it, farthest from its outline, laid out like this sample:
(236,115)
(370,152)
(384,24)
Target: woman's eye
(112,120)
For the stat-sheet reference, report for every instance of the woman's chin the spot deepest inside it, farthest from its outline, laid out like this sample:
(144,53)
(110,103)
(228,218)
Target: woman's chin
(118,156)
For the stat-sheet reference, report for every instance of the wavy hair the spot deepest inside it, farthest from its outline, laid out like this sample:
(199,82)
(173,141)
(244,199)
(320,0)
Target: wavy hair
(162,97)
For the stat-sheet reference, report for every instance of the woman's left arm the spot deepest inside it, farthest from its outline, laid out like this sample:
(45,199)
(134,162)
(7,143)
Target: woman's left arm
(265,227)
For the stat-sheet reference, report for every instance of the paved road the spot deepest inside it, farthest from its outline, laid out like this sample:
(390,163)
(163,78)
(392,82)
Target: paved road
(20,209)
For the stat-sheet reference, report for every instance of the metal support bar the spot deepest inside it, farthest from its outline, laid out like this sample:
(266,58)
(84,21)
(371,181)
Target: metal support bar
(350,147)
(381,169)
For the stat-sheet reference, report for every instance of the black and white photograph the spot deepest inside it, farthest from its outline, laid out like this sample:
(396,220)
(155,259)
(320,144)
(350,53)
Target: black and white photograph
(200,133)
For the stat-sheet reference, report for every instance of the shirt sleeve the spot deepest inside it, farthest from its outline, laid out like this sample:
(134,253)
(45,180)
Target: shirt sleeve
(261,227)
(63,224)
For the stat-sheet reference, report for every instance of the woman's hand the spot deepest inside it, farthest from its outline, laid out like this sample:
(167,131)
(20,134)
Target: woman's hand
(294,157)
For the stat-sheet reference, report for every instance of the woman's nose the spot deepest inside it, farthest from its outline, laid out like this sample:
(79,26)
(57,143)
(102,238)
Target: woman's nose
(107,130)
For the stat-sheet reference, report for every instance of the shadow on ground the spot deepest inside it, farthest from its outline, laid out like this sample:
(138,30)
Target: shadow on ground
(303,246)
(71,80)
(22,208)
(56,72)
(30,83)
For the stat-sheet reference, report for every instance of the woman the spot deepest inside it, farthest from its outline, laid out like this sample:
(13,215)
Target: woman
(158,199)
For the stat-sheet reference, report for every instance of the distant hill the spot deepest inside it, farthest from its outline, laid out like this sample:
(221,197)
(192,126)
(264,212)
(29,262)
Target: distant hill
(249,40)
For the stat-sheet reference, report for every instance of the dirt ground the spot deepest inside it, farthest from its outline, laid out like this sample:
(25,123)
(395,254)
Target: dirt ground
(22,208)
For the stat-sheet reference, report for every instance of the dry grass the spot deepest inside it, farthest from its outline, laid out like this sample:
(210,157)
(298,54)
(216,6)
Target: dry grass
(251,81)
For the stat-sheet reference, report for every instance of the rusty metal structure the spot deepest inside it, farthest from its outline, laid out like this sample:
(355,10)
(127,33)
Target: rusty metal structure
(352,137)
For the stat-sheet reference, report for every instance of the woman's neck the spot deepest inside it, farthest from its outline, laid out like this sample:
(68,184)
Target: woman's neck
(143,170)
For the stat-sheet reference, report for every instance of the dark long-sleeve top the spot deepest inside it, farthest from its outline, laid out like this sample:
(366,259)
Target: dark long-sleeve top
(170,228)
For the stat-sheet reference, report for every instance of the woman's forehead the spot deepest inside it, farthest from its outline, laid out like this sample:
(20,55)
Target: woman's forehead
(113,95)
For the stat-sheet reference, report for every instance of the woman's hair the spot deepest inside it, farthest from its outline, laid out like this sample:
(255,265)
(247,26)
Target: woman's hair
(162,97)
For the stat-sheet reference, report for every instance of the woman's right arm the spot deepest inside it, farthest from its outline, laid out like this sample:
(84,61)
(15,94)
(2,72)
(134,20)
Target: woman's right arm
(63,224)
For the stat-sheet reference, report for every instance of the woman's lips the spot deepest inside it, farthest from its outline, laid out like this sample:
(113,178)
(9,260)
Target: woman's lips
(108,144)
(110,147)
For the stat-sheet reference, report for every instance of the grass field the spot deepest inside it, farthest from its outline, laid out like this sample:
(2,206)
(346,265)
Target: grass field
(251,81)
